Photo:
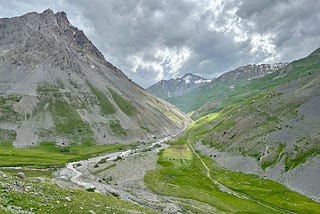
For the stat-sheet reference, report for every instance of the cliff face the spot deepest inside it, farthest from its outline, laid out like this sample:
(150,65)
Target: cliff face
(56,86)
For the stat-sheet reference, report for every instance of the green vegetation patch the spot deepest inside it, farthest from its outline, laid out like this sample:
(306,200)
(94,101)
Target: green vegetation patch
(273,158)
(68,122)
(105,168)
(293,160)
(50,89)
(7,135)
(125,105)
(7,112)
(50,155)
(116,128)
(31,173)
(106,106)
(178,152)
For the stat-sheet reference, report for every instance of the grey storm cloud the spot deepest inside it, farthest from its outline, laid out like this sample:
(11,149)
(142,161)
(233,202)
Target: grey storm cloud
(152,40)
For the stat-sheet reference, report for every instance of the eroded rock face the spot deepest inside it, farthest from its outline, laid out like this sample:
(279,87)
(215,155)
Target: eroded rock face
(56,86)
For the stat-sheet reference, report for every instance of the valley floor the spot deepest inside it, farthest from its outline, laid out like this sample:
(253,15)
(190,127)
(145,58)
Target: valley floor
(165,177)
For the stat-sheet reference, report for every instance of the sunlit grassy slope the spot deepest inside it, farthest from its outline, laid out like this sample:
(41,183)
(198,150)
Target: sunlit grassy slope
(181,173)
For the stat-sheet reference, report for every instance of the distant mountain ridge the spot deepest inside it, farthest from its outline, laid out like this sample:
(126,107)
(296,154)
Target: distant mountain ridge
(175,87)
(209,96)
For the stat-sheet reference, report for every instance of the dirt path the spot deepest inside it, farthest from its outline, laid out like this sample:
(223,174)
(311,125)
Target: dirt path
(229,191)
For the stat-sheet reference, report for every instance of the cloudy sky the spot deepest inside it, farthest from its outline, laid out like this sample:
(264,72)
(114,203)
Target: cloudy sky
(152,40)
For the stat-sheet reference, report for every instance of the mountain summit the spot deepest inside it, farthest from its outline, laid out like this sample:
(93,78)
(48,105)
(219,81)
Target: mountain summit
(56,86)
(175,87)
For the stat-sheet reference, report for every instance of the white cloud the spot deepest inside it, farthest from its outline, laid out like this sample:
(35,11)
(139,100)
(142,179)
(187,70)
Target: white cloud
(154,39)
(262,44)
(163,61)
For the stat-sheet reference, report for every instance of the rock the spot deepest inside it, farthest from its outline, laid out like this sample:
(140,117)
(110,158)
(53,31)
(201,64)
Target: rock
(67,198)
(21,175)
(17,183)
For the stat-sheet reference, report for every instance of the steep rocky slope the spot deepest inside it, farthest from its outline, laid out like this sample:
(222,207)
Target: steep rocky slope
(56,86)
(274,134)
(175,87)
(215,95)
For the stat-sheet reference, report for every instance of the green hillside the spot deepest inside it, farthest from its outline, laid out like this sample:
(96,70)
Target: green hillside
(275,123)
(217,95)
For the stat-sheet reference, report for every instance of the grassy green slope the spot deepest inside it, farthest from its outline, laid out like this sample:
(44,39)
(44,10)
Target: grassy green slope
(191,177)
(34,195)
(271,124)
(247,128)
(217,95)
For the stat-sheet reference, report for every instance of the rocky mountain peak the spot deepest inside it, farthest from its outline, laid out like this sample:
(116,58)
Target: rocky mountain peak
(188,75)
(250,71)
(62,17)
(57,86)
(44,36)
(174,87)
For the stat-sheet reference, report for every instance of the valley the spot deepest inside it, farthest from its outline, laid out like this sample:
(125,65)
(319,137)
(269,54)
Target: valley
(79,136)
(179,179)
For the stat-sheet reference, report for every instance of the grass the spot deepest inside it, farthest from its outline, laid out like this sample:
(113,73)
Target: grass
(125,105)
(68,122)
(116,128)
(188,180)
(106,106)
(42,196)
(180,152)
(293,160)
(50,90)
(104,169)
(7,112)
(44,173)
(274,158)
(49,155)
(7,135)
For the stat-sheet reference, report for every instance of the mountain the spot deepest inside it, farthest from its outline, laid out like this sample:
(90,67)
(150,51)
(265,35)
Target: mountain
(215,95)
(249,72)
(273,134)
(175,87)
(56,86)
